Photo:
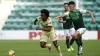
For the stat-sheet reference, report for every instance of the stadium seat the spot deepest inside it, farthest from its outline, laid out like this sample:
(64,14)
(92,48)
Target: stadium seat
(25,12)
(87,26)
(93,26)
(98,20)
(98,26)
(87,20)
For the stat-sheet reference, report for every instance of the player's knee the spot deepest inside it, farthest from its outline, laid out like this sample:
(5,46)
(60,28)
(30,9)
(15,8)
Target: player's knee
(42,45)
(67,37)
(74,36)
(55,44)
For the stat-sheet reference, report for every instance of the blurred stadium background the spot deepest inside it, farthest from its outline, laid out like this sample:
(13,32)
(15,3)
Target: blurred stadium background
(18,15)
(24,13)
(16,26)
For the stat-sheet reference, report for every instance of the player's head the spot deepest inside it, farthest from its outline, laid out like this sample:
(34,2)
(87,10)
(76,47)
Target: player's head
(44,14)
(66,6)
(72,5)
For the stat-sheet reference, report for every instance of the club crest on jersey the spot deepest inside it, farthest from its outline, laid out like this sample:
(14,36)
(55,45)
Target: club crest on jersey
(75,18)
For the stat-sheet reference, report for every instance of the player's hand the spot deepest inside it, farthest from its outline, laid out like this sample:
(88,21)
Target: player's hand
(64,21)
(56,18)
(38,28)
(61,21)
(94,21)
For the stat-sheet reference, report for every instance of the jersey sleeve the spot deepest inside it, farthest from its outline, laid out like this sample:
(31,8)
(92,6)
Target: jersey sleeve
(83,11)
(66,13)
(38,19)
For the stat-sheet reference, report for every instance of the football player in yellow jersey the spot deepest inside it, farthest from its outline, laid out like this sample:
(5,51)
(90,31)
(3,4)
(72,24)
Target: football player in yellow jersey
(47,31)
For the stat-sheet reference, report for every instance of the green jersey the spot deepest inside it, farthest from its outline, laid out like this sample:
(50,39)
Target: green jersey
(77,18)
(68,23)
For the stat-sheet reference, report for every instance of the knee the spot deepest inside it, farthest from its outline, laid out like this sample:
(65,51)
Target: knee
(74,36)
(67,37)
(55,44)
(42,45)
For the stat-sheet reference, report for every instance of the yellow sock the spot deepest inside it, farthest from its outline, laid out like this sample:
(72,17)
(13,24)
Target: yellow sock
(58,49)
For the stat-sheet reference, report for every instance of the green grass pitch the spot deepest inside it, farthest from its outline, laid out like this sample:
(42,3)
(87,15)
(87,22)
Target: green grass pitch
(32,48)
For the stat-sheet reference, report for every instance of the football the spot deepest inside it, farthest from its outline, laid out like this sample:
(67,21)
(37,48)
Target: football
(11,53)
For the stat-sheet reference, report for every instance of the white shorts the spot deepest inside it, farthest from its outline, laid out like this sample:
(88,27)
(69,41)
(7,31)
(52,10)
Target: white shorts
(69,32)
(81,30)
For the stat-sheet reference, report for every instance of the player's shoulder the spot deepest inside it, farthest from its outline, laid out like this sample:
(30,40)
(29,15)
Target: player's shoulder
(49,19)
(67,12)
(38,18)
(80,9)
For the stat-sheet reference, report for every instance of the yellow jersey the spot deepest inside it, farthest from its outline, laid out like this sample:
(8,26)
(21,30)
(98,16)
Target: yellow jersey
(46,23)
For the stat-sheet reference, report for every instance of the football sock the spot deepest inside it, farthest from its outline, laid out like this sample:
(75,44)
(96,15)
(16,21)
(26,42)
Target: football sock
(72,41)
(80,40)
(67,43)
(58,49)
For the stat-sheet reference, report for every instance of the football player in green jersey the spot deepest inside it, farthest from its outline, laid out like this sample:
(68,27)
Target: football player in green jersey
(77,18)
(68,28)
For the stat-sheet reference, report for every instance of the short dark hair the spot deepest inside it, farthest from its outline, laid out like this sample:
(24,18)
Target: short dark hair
(45,11)
(65,3)
(71,2)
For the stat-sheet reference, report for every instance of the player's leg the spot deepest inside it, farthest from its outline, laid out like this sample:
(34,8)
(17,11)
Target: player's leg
(67,34)
(72,31)
(80,39)
(80,49)
(72,41)
(43,41)
(57,47)
(77,36)
(68,43)
(55,43)
(79,43)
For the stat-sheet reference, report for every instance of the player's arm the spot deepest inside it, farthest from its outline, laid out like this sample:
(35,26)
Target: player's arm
(61,21)
(48,28)
(35,21)
(91,14)
(61,16)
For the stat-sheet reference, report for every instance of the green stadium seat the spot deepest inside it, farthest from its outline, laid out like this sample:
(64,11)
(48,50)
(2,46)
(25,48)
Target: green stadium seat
(56,23)
(98,26)
(98,20)
(87,20)
(87,26)
(93,26)
(22,16)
